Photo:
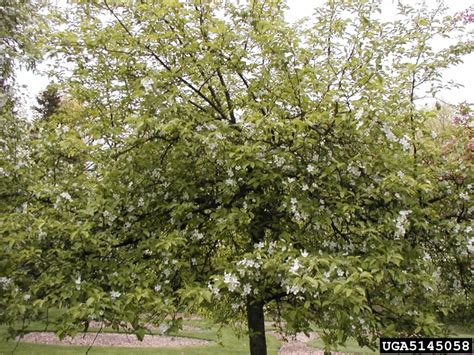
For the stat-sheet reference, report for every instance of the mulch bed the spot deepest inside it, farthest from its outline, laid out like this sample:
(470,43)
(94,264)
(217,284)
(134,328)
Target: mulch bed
(113,340)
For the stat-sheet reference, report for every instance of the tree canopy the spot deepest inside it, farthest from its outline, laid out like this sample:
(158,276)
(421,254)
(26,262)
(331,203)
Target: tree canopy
(213,158)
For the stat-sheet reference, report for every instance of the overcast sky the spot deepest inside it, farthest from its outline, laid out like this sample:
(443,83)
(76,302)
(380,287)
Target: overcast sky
(463,74)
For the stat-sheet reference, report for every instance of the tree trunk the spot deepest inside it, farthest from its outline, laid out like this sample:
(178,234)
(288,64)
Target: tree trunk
(256,326)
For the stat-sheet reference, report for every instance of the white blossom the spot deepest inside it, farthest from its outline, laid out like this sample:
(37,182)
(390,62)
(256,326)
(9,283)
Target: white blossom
(78,282)
(326,276)
(231,281)
(246,262)
(401,223)
(147,83)
(400,174)
(246,290)
(295,267)
(388,133)
(197,235)
(279,161)
(114,295)
(26,296)
(157,288)
(304,254)
(310,168)
(464,196)
(354,170)
(230,182)
(271,247)
(65,196)
(4,282)
(214,290)
(294,289)
(405,142)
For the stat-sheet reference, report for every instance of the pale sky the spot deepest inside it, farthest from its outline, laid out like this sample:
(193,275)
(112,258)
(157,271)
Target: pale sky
(34,83)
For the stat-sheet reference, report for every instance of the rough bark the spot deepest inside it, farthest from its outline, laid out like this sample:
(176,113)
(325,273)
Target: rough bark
(256,327)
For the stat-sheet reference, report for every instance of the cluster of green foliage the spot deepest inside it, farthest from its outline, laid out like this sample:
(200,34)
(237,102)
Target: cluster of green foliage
(211,157)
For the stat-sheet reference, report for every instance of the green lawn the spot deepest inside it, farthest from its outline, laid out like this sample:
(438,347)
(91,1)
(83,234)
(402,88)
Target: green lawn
(352,346)
(228,343)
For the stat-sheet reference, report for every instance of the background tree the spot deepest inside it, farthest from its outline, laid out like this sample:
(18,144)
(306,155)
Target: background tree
(17,21)
(241,167)
(49,102)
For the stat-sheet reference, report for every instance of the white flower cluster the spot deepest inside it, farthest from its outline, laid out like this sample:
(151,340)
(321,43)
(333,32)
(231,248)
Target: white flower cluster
(299,216)
(230,182)
(147,83)
(295,267)
(231,281)
(271,247)
(401,223)
(63,196)
(294,289)
(197,235)
(5,282)
(247,263)
(78,282)
(109,217)
(404,141)
(247,289)
(279,161)
(389,134)
(358,117)
(470,245)
(326,276)
(464,196)
(114,295)
(354,170)
(214,290)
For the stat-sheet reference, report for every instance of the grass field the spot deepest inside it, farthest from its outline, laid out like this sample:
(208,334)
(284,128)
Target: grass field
(352,346)
(227,343)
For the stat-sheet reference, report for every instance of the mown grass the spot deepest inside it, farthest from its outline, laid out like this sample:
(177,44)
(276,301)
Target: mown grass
(352,346)
(223,342)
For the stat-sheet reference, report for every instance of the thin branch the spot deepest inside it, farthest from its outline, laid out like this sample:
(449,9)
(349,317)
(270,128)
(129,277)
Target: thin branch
(95,338)
(164,64)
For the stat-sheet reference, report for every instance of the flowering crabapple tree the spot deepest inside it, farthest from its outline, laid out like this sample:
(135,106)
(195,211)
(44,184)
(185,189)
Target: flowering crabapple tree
(219,160)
